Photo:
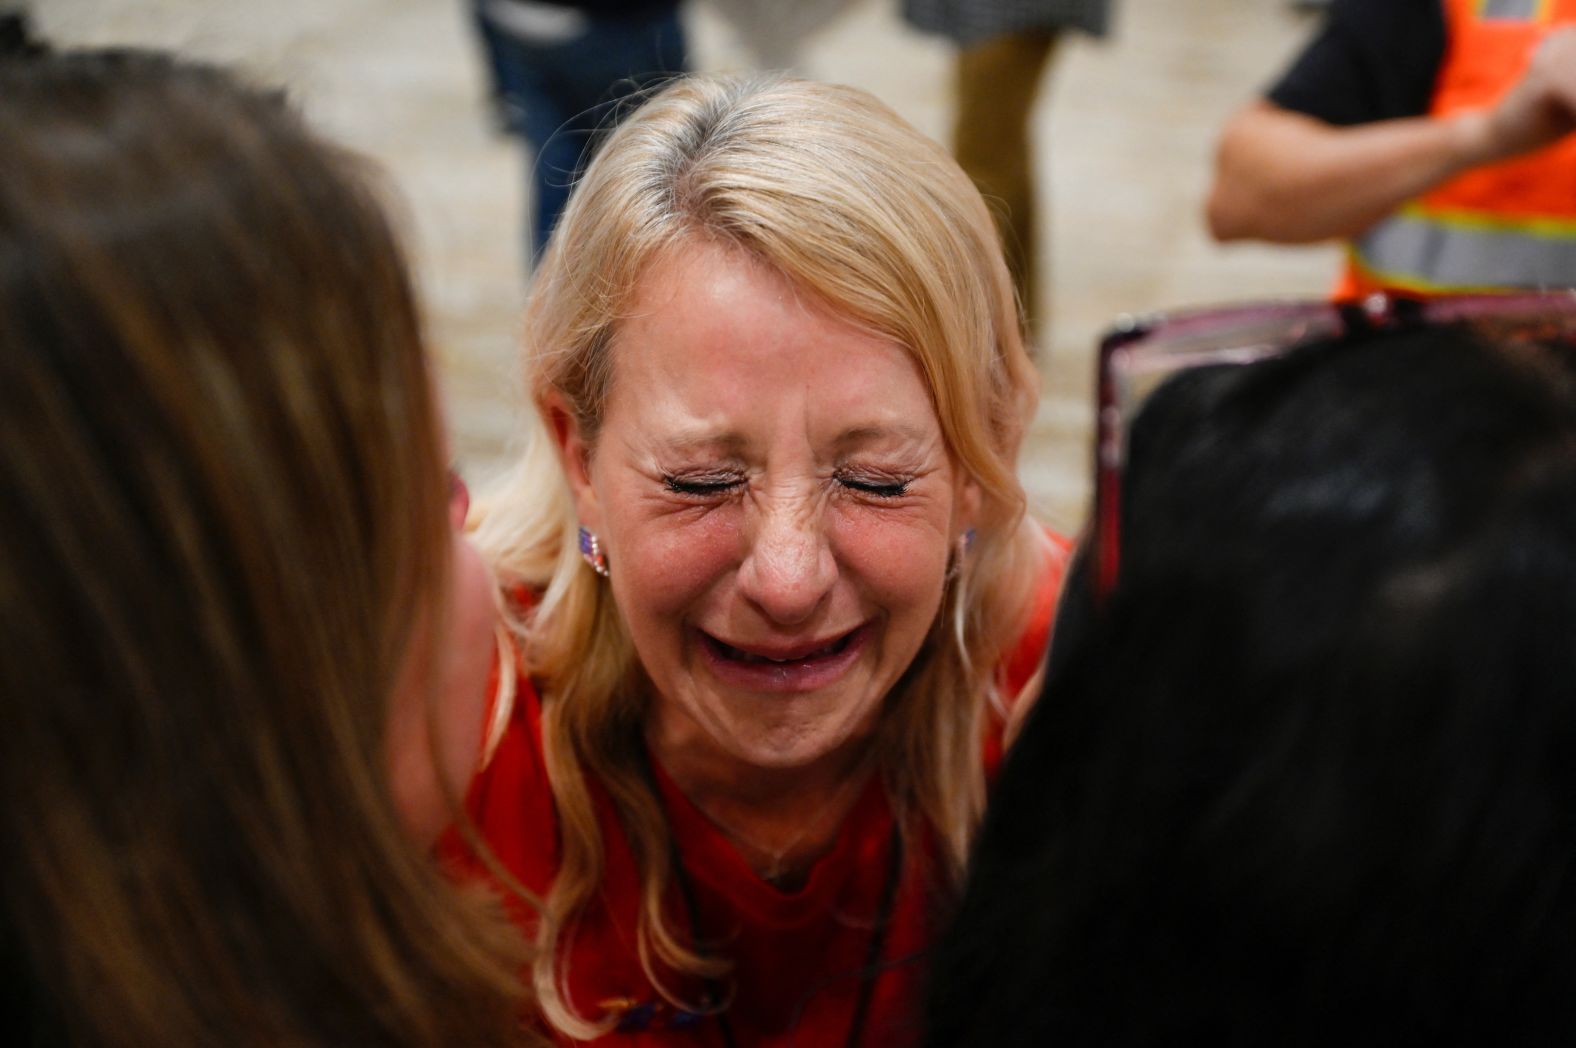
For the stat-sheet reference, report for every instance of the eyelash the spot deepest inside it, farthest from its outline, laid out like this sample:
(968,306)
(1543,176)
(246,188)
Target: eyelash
(713,488)
(701,488)
(890,489)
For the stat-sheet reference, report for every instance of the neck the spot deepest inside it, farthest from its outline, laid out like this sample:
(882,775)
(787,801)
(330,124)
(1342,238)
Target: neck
(703,769)
(780,819)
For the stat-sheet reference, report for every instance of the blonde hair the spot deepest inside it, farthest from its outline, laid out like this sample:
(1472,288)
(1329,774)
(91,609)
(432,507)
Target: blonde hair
(222,493)
(831,189)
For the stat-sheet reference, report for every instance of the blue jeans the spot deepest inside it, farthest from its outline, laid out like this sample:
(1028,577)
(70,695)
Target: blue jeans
(558,96)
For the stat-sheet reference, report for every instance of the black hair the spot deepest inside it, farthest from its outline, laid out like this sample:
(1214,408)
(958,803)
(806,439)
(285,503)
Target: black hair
(1309,776)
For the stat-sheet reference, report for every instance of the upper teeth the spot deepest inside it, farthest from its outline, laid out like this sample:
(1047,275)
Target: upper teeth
(747,656)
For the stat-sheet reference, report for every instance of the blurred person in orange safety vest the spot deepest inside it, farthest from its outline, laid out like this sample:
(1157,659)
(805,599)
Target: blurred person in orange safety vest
(1433,135)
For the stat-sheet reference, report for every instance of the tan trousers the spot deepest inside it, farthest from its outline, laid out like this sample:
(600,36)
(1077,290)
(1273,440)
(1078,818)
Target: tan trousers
(997,83)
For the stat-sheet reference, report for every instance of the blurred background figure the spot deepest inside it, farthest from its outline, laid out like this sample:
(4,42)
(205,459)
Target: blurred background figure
(1304,776)
(776,32)
(1433,135)
(244,649)
(562,70)
(1004,47)
(17,36)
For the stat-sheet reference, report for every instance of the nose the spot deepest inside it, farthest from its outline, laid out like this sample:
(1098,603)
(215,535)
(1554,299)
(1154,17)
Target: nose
(789,568)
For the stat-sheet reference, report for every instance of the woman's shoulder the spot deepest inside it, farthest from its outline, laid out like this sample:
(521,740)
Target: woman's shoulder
(1019,676)
(1024,658)
(510,800)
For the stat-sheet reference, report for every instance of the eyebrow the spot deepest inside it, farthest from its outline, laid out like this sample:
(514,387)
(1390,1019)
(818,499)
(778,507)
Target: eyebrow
(731,444)
(869,433)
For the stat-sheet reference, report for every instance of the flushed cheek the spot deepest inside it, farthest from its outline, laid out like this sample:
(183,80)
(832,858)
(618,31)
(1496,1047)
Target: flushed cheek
(667,566)
(901,563)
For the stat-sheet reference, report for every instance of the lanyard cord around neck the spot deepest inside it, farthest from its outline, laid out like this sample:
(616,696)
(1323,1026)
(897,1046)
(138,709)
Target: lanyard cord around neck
(878,935)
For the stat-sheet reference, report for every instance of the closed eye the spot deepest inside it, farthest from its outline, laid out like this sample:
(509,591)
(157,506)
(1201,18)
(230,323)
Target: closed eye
(885,489)
(701,487)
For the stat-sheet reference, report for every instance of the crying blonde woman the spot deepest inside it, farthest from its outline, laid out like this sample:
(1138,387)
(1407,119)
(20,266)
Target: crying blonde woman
(768,568)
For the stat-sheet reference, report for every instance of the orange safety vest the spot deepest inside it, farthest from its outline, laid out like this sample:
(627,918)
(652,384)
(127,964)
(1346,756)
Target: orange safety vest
(1498,227)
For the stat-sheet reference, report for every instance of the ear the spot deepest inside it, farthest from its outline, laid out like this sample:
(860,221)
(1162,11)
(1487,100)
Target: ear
(574,454)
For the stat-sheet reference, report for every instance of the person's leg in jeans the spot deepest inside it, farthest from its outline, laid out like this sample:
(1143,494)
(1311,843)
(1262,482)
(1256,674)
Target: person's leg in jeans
(599,78)
(566,92)
(997,83)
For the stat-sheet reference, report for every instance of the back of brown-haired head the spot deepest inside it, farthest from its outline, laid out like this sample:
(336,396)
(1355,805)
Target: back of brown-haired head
(221,500)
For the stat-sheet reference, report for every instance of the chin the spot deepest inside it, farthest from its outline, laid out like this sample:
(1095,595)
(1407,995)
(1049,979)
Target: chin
(783,758)
(789,748)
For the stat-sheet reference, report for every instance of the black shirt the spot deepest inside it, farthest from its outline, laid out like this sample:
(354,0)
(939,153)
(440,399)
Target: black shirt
(1372,60)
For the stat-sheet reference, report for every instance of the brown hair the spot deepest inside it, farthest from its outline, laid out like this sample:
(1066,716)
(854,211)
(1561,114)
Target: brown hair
(222,493)
(832,189)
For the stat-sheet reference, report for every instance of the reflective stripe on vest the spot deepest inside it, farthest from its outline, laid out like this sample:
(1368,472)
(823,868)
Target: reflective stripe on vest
(1510,224)
(1520,10)
(1425,251)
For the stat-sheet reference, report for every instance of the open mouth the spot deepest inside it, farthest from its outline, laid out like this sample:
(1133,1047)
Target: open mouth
(825,651)
(787,668)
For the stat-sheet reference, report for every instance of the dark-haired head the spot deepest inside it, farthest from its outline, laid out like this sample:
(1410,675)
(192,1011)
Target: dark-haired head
(1308,776)
(222,490)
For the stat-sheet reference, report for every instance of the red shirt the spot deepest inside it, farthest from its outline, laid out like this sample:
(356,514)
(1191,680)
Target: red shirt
(800,959)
